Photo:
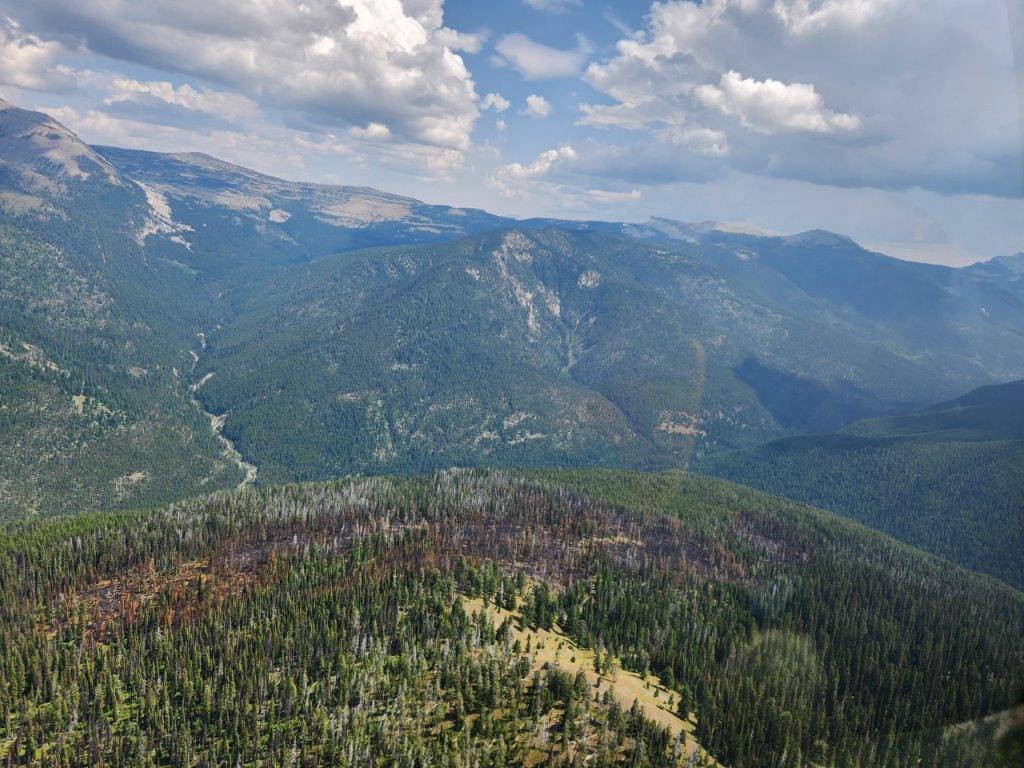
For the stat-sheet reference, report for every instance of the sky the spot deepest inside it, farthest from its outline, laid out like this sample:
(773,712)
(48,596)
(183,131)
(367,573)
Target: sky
(897,122)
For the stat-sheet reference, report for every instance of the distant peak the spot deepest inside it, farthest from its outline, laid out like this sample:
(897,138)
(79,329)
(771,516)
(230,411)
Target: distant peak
(708,226)
(1014,262)
(203,160)
(819,237)
(203,157)
(37,146)
(729,228)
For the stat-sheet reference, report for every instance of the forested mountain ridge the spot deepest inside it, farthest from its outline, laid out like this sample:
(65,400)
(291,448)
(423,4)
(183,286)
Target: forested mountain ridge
(137,280)
(94,337)
(524,347)
(103,306)
(926,312)
(514,348)
(329,623)
(947,479)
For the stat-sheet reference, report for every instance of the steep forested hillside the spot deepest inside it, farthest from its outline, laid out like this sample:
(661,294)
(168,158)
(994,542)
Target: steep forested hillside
(958,324)
(510,348)
(136,282)
(351,624)
(105,295)
(948,479)
(94,338)
(572,345)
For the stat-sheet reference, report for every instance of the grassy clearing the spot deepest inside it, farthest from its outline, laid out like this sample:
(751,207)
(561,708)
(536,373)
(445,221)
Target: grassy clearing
(555,648)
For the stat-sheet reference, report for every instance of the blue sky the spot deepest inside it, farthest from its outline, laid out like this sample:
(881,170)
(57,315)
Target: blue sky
(895,121)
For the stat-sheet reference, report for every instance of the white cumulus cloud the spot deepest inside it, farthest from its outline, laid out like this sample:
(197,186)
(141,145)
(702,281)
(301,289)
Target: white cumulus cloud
(371,132)
(231,106)
(662,77)
(769,105)
(515,179)
(860,93)
(703,141)
(347,62)
(27,61)
(495,101)
(470,42)
(802,16)
(537,106)
(535,61)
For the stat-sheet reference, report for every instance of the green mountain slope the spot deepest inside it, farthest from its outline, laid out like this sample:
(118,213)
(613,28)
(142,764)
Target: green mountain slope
(961,325)
(108,284)
(509,348)
(94,338)
(572,345)
(136,280)
(947,479)
(353,623)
